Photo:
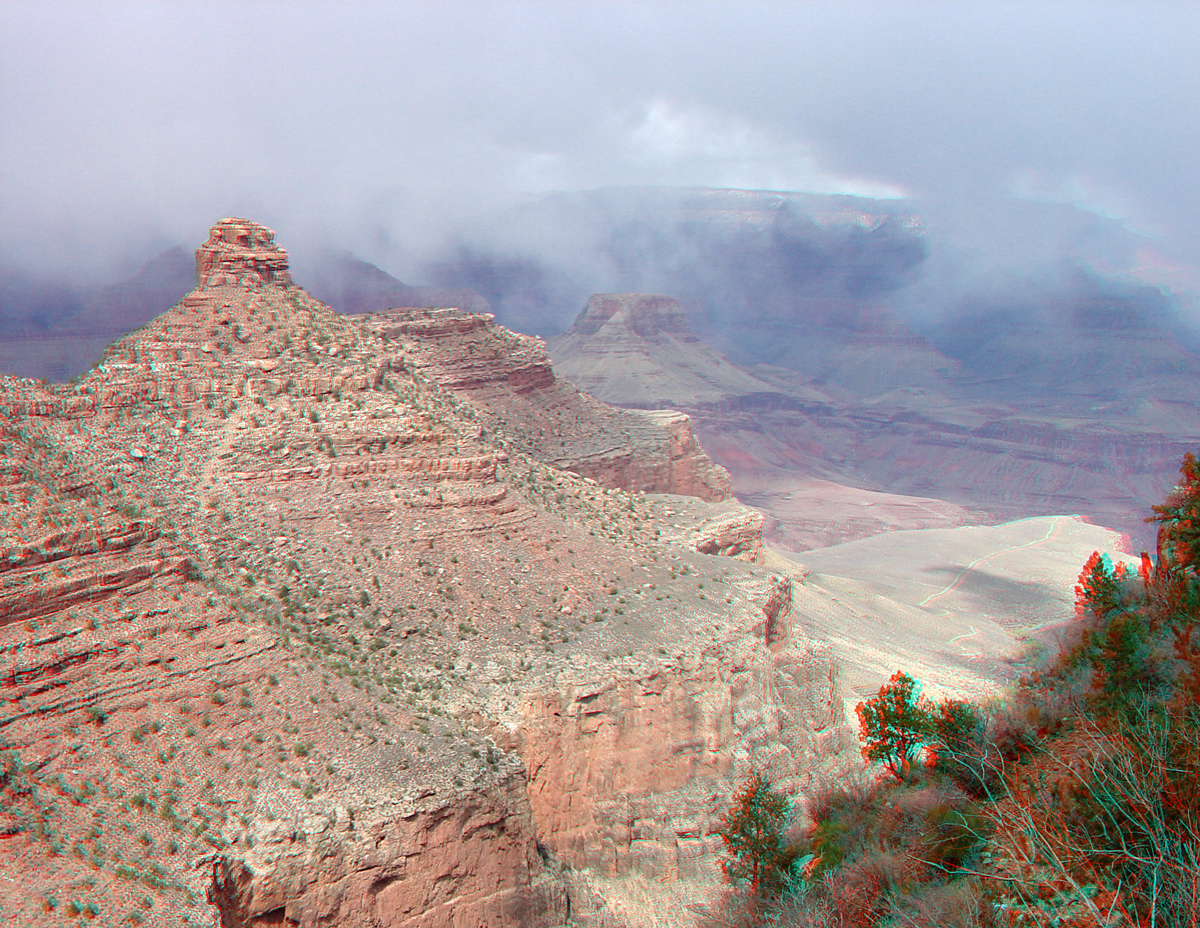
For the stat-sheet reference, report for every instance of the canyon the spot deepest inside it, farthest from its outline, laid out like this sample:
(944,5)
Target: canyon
(293,633)
(316,619)
(870,432)
(828,351)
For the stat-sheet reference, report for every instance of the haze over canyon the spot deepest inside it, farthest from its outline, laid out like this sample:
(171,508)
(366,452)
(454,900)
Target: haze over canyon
(448,451)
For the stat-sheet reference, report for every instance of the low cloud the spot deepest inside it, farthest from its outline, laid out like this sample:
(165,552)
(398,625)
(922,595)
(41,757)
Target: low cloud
(392,129)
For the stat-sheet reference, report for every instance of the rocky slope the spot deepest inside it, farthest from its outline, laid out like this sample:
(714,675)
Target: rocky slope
(292,634)
(152,670)
(509,378)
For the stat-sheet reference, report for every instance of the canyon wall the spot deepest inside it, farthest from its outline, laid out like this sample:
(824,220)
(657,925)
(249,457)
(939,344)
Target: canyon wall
(420,860)
(630,773)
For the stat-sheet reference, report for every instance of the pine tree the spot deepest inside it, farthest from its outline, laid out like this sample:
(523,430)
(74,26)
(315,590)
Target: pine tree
(1098,591)
(752,829)
(1179,520)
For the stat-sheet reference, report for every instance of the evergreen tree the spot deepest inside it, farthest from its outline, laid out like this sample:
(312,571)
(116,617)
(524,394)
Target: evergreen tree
(895,724)
(1179,520)
(752,829)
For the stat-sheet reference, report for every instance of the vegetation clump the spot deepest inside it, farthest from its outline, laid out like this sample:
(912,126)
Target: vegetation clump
(1074,801)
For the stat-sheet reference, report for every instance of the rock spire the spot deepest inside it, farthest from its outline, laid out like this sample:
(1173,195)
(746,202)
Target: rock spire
(241,253)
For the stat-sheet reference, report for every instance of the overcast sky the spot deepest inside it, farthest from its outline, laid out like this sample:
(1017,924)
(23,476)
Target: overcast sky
(129,127)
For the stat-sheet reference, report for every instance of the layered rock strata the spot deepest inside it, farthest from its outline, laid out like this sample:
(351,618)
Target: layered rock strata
(510,379)
(298,635)
(162,533)
(241,253)
(421,860)
(630,773)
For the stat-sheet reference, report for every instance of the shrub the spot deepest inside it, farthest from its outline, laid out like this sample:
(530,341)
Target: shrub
(960,751)
(957,904)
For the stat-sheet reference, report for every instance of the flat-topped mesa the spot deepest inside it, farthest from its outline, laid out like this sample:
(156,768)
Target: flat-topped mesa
(241,253)
(644,314)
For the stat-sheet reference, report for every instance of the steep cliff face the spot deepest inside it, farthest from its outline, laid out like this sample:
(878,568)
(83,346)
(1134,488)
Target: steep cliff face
(678,466)
(465,858)
(630,773)
(510,379)
(732,531)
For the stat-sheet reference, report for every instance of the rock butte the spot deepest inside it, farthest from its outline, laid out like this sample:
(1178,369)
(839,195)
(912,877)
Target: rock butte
(381,607)
(637,349)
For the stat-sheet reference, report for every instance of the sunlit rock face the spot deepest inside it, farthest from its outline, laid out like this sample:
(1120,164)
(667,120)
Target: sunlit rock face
(241,252)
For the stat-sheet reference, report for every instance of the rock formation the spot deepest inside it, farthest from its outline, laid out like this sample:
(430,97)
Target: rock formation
(510,379)
(636,349)
(627,772)
(420,859)
(241,253)
(282,617)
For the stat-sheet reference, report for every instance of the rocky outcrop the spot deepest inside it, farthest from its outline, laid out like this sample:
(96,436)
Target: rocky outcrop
(493,363)
(660,470)
(735,534)
(629,774)
(691,468)
(241,253)
(509,378)
(464,859)
(155,563)
(480,468)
